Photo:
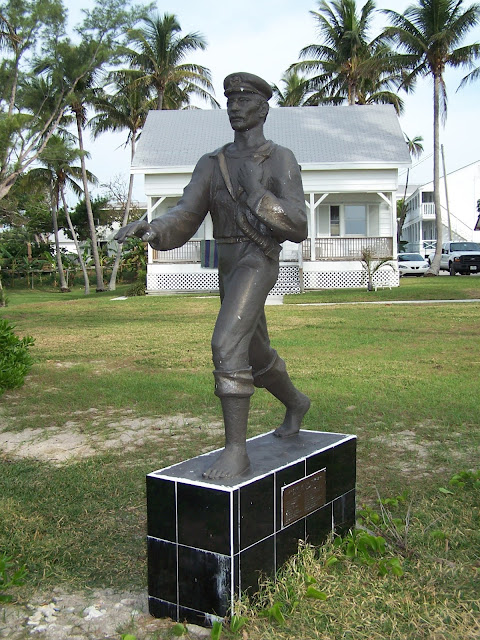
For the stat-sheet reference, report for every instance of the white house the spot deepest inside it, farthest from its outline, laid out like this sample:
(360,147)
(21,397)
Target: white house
(458,218)
(349,158)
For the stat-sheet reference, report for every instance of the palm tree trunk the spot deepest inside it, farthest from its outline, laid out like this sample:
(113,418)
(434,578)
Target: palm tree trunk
(435,266)
(113,278)
(403,215)
(88,204)
(160,99)
(351,94)
(77,245)
(58,255)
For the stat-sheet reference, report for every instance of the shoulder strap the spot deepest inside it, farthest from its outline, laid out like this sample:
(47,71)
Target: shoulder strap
(222,162)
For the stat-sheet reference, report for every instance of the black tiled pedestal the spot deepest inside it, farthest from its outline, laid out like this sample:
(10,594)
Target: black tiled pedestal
(209,540)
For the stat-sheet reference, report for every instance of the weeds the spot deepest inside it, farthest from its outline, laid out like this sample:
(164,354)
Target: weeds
(9,577)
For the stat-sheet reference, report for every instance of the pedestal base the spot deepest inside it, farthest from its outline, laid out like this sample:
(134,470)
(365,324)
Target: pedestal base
(210,540)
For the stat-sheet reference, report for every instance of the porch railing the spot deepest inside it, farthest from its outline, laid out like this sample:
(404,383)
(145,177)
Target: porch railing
(350,248)
(188,253)
(325,249)
(428,210)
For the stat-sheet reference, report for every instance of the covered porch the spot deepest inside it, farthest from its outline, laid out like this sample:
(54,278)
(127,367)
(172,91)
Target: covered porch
(323,250)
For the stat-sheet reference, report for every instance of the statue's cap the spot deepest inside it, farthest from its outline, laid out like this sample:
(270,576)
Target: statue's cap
(243,81)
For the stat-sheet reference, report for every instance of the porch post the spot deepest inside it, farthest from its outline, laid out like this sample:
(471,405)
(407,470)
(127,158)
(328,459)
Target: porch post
(420,230)
(313,228)
(393,209)
(149,219)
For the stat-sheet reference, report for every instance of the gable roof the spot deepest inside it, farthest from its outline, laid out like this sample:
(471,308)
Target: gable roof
(349,136)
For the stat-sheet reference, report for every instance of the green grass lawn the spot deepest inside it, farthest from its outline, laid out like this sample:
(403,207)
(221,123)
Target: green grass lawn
(434,288)
(127,387)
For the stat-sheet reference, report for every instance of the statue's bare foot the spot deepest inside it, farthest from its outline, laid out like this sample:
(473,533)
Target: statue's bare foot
(293,417)
(233,461)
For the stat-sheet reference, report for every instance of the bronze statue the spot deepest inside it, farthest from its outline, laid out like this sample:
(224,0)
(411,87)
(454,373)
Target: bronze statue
(253,190)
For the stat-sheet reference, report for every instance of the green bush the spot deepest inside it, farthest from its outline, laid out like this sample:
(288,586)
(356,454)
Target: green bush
(136,289)
(15,359)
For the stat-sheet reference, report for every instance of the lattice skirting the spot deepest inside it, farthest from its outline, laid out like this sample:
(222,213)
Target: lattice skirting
(348,279)
(205,280)
(288,280)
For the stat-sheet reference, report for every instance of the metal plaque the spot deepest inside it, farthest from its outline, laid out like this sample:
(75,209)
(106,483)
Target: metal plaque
(303,497)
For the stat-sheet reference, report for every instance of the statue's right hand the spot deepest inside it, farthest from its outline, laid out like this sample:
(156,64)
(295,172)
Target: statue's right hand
(140,229)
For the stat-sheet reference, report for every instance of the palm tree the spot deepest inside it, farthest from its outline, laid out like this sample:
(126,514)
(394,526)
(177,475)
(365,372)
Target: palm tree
(85,56)
(371,263)
(431,34)
(348,65)
(60,173)
(296,91)
(127,109)
(415,148)
(159,52)
(381,89)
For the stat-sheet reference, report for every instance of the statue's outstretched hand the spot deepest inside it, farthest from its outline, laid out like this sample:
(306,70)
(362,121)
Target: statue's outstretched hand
(140,229)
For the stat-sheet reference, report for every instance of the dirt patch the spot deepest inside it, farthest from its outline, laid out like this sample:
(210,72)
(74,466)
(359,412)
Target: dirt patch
(107,431)
(405,441)
(77,616)
(407,453)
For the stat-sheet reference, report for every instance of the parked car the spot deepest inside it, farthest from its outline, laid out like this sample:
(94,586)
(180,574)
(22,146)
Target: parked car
(412,264)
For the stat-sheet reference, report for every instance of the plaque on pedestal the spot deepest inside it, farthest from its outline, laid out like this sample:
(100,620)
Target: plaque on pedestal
(210,540)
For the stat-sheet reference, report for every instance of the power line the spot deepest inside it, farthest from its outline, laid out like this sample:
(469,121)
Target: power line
(416,164)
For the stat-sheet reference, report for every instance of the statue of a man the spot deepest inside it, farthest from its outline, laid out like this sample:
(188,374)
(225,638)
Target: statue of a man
(253,190)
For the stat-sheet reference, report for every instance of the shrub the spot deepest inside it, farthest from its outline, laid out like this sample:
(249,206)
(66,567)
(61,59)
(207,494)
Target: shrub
(136,289)
(15,359)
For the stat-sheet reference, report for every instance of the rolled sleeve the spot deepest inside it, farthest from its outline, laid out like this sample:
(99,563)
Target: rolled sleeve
(282,209)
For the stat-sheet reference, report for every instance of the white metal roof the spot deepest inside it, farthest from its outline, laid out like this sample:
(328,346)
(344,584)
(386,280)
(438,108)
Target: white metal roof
(320,137)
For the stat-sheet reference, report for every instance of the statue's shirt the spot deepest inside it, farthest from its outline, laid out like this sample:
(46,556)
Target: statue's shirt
(279,211)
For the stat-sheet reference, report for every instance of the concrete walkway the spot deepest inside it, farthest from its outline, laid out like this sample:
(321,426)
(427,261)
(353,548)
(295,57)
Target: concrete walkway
(332,304)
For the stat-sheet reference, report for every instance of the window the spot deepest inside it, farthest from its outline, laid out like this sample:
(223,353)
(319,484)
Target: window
(334,220)
(355,220)
(427,196)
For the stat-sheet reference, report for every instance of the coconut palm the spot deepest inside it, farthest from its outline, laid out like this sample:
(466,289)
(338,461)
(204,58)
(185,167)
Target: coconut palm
(158,51)
(59,172)
(348,65)
(381,89)
(431,34)
(127,109)
(295,92)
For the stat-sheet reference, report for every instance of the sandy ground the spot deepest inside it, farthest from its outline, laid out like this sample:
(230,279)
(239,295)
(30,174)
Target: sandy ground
(109,430)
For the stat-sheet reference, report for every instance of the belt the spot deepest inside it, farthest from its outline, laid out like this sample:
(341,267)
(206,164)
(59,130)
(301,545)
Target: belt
(232,240)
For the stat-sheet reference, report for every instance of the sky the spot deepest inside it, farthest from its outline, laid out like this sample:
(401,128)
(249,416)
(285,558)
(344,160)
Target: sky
(265,37)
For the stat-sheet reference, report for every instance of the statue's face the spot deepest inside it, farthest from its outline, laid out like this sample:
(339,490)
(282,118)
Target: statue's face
(245,110)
